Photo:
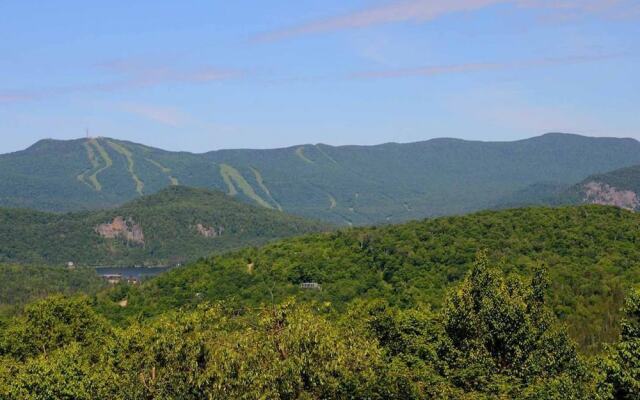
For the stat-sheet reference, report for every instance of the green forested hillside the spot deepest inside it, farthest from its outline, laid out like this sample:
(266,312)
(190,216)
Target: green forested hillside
(508,304)
(173,226)
(620,188)
(345,184)
(493,338)
(592,254)
(623,179)
(21,284)
(542,193)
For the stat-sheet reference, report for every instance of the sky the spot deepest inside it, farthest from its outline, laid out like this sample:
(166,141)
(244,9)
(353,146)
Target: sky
(200,75)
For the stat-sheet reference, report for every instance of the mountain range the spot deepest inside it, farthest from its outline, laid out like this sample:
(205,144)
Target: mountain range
(534,302)
(348,185)
(619,188)
(175,225)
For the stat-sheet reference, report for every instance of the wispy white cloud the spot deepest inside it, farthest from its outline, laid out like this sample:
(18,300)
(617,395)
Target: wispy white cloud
(142,74)
(13,97)
(398,11)
(429,70)
(419,11)
(169,116)
(587,6)
(128,76)
(476,67)
(568,10)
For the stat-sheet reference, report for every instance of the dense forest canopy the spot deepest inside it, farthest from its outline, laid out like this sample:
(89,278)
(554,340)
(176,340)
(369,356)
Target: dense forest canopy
(22,284)
(494,337)
(591,252)
(518,304)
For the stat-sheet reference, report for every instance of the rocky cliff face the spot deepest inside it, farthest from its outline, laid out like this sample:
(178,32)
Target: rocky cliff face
(209,231)
(601,193)
(123,229)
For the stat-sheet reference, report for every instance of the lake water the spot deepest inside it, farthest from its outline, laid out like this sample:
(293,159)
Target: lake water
(139,273)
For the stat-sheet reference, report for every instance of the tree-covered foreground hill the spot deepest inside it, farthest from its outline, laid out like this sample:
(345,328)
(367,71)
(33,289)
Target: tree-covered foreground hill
(512,304)
(22,284)
(592,254)
(173,226)
(360,185)
(493,338)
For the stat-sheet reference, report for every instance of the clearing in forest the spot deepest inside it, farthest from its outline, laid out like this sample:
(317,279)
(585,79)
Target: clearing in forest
(324,153)
(300,153)
(167,171)
(233,177)
(91,155)
(96,165)
(264,187)
(332,202)
(130,165)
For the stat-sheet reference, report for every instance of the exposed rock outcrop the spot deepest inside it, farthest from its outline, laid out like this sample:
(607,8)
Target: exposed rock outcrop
(123,229)
(601,193)
(209,232)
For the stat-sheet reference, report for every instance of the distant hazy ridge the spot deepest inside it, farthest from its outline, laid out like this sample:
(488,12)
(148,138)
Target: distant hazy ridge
(345,185)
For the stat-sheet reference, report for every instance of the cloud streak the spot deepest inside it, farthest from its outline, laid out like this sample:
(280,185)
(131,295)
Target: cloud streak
(150,75)
(168,116)
(419,11)
(398,11)
(13,97)
(478,67)
(130,76)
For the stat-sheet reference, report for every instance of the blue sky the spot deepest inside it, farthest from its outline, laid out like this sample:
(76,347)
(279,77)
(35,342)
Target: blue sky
(200,75)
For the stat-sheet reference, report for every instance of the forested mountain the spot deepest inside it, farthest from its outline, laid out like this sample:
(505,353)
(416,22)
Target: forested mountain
(619,188)
(591,252)
(345,185)
(172,226)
